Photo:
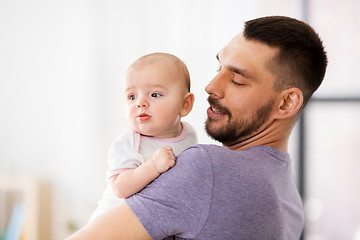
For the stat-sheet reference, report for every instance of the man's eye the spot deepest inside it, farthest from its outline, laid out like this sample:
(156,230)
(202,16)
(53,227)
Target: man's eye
(155,95)
(131,97)
(237,83)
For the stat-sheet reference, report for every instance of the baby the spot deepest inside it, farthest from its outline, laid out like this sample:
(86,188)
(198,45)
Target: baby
(157,92)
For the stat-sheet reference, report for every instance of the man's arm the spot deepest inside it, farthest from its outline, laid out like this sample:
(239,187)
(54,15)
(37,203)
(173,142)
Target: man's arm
(117,223)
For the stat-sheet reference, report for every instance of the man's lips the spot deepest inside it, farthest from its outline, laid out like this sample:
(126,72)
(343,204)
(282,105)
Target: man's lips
(213,113)
(142,117)
(216,111)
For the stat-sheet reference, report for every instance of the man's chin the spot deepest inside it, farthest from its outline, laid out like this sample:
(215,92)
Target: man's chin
(208,126)
(211,125)
(212,129)
(222,132)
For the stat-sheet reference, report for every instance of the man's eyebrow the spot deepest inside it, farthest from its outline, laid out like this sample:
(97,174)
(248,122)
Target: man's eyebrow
(239,71)
(236,70)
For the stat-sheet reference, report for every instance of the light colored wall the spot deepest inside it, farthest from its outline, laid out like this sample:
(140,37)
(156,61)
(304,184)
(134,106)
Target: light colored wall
(51,101)
(61,67)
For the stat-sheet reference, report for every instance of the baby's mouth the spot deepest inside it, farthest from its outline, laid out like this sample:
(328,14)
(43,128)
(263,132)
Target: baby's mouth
(143,117)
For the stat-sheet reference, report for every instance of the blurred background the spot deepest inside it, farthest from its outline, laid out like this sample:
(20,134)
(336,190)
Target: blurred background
(61,68)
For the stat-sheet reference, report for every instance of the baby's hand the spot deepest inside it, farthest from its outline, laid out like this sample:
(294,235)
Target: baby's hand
(164,158)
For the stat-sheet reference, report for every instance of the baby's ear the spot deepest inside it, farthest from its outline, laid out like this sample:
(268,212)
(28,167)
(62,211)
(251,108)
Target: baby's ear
(189,99)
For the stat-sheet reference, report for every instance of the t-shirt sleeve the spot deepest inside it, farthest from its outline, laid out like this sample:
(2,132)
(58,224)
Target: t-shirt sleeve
(122,154)
(178,202)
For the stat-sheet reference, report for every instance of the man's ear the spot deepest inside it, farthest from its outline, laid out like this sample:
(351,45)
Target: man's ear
(189,99)
(290,103)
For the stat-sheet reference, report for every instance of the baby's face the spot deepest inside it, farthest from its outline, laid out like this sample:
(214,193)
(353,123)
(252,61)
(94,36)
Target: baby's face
(154,97)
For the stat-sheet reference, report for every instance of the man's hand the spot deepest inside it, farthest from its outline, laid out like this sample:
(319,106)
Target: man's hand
(163,158)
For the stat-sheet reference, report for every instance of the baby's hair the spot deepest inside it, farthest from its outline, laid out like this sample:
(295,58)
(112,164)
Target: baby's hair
(165,57)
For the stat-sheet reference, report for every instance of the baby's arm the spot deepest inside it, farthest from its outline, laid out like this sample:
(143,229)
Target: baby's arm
(132,181)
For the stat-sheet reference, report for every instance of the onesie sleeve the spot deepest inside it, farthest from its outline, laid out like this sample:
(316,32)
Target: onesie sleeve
(178,202)
(123,154)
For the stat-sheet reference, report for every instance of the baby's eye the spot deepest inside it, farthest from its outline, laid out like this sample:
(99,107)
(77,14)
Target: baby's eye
(131,97)
(155,95)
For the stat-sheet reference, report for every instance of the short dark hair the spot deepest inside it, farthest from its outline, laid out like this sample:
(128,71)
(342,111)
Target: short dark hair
(301,61)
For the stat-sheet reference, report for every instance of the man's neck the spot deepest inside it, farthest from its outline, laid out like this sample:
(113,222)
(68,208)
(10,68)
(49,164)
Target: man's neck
(276,135)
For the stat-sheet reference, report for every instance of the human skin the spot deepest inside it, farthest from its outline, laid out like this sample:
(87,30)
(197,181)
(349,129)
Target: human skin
(156,98)
(243,85)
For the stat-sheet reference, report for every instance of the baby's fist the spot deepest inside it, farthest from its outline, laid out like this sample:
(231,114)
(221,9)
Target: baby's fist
(164,158)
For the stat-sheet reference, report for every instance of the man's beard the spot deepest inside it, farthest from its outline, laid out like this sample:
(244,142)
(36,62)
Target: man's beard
(242,128)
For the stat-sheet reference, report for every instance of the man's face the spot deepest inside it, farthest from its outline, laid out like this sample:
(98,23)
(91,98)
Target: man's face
(241,94)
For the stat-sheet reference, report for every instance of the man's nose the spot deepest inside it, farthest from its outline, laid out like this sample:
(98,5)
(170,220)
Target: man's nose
(216,86)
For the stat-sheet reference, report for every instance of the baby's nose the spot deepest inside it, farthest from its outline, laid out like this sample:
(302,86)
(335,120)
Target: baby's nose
(142,103)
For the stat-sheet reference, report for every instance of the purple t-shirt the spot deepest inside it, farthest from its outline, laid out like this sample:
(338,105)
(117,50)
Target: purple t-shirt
(215,193)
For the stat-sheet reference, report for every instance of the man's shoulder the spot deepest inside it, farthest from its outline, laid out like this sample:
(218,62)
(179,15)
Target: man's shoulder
(213,149)
(216,155)
(202,150)
(206,147)
(201,155)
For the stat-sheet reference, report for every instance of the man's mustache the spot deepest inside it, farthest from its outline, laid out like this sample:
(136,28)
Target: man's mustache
(215,103)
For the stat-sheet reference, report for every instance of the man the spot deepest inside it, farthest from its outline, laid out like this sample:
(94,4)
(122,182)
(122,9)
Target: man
(244,190)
